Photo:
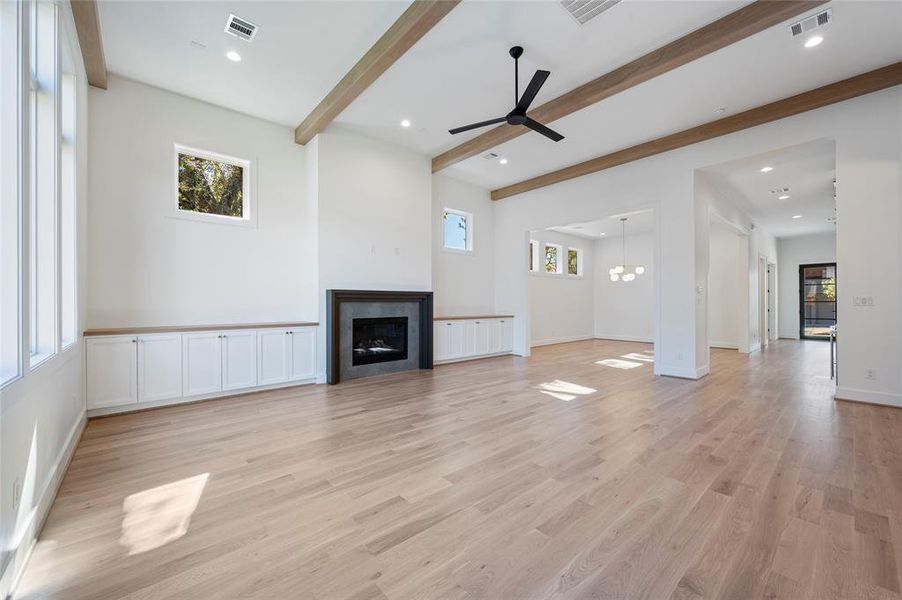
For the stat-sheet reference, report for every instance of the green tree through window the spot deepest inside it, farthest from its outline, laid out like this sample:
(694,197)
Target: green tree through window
(210,186)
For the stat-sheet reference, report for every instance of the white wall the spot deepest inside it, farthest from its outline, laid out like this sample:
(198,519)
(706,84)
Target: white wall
(42,414)
(374,206)
(792,252)
(149,268)
(463,282)
(728,267)
(625,311)
(560,306)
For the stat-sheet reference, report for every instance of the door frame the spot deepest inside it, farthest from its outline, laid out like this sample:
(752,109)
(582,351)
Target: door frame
(802,267)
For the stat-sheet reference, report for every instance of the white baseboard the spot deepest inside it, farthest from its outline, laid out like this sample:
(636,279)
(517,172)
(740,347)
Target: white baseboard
(563,340)
(125,408)
(624,338)
(724,345)
(682,372)
(855,395)
(466,358)
(31,528)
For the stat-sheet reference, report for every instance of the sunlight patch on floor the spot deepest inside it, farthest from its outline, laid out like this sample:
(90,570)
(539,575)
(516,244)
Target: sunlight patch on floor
(638,356)
(564,390)
(160,515)
(618,363)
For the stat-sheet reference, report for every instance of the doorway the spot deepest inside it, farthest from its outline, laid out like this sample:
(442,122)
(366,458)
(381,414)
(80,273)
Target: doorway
(817,300)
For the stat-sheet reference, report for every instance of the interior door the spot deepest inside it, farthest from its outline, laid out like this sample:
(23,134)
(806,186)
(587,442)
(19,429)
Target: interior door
(817,300)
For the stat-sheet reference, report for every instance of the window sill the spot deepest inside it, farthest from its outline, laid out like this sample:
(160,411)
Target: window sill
(468,251)
(213,219)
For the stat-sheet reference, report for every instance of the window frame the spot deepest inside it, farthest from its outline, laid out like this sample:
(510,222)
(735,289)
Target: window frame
(248,204)
(470,235)
(534,257)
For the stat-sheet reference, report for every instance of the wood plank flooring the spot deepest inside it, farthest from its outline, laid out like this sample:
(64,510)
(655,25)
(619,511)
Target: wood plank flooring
(507,478)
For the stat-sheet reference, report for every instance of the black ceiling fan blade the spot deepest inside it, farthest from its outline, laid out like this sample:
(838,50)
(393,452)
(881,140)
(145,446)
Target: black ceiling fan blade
(477,125)
(546,131)
(538,80)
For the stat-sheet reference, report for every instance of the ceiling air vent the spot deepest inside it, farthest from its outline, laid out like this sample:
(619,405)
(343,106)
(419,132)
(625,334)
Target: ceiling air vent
(240,28)
(490,156)
(586,10)
(812,22)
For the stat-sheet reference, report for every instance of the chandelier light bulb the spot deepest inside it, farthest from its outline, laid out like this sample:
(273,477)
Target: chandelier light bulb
(629,277)
(615,277)
(618,269)
(640,269)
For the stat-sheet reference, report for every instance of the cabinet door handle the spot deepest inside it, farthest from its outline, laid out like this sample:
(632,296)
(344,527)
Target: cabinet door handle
(449,324)
(135,341)
(223,336)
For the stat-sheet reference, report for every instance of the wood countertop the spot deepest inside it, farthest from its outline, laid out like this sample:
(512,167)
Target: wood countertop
(189,328)
(467,318)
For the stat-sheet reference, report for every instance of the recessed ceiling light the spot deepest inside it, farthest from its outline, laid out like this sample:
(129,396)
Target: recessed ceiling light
(766,169)
(602,233)
(783,197)
(813,41)
(503,161)
(233,56)
(719,111)
(405,123)
(796,216)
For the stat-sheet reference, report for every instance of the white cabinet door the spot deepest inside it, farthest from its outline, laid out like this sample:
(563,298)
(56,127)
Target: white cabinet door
(159,367)
(112,371)
(303,353)
(507,335)
(441,342)
(456,340)
(201,363)
(273,356)
(468,331)
(481,335)
(239,359)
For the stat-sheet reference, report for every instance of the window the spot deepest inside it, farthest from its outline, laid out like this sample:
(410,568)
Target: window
(574,262)
(457,230)
(552,258)
(817,299)
(43,152)
(212,187)
(10,195)
(68,289)
(533,256)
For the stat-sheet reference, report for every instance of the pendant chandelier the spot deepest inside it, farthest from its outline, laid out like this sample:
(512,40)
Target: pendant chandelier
(623,271)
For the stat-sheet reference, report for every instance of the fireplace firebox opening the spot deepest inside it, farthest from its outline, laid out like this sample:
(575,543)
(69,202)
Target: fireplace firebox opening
(377,340)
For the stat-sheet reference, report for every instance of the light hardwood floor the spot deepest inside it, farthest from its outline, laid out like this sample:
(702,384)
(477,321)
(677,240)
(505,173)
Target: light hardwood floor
(506,478)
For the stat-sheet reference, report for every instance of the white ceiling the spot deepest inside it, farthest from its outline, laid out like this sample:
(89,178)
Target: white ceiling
(610,227)
(302,49)
(460,71)
(807,169)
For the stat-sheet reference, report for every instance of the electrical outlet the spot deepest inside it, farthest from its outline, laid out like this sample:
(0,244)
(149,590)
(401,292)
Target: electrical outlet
(17,494)
(870,374)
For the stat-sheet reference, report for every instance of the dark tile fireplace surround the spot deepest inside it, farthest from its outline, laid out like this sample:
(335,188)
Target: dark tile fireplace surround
(372,332)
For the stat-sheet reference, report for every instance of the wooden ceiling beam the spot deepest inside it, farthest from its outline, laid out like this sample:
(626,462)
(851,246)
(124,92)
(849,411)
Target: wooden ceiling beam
(417,20)
(87,26)
(736,26)
(866,83)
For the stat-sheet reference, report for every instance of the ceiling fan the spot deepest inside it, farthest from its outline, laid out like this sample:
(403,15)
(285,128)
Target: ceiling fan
(518,115)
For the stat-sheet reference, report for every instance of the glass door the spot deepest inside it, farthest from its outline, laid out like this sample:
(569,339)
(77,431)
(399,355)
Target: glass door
(817,300)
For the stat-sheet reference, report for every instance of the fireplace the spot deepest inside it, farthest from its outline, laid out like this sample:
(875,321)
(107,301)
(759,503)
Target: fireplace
(377,340)
(377,332)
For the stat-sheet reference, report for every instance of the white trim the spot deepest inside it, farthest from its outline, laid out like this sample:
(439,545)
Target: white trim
(624,338)
(248,189)
(448,361)
(218,395)
(561,340)
(856,395)
(682,372)
(723,345)
(32,526)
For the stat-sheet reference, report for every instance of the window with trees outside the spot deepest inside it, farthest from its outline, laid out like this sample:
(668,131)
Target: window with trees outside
(457,230)
(573,262)
(212,186)
(552,258)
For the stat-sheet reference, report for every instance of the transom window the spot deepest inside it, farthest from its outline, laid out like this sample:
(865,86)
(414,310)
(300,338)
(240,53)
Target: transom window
(212,186)
(574,266)
(553,258)
(457,230)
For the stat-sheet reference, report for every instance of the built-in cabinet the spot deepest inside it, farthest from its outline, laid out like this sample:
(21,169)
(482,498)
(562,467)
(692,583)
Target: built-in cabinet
(127,370)
(461,339)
